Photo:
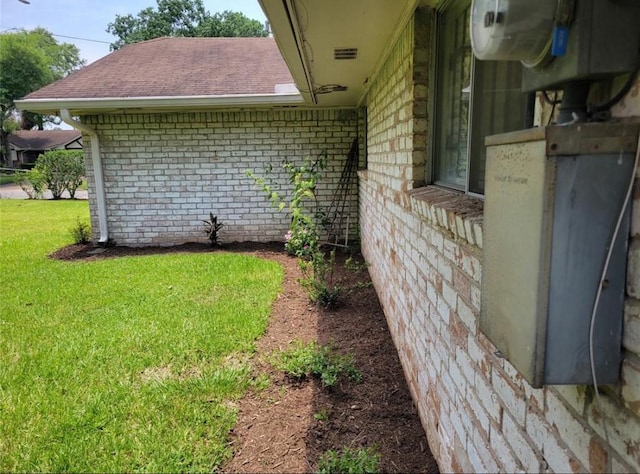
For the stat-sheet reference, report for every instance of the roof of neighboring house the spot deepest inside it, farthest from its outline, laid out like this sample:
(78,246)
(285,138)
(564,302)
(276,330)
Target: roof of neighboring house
(176,68)
(42,139)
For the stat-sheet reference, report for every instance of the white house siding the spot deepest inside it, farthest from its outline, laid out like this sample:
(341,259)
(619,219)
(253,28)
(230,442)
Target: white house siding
(164,173)
(424,247)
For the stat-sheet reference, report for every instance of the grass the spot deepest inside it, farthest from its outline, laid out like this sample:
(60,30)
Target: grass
(6,179)
(128,364)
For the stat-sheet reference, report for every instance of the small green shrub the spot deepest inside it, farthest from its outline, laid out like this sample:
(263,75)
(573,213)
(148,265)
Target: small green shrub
(81,232)
(349,460)
(305,360)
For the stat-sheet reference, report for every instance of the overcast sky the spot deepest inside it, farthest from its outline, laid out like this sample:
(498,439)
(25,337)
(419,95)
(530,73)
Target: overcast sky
(88,19)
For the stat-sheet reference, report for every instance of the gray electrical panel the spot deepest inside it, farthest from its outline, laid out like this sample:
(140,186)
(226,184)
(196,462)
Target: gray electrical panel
(603,42)
(553,196)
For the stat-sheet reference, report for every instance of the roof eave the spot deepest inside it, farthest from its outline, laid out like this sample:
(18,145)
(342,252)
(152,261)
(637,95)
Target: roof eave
(83,106)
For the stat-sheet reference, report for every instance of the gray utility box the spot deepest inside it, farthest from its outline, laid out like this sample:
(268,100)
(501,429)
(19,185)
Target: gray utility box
(552,199)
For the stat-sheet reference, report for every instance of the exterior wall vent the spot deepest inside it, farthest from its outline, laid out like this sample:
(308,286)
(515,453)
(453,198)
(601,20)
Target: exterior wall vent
(345,53)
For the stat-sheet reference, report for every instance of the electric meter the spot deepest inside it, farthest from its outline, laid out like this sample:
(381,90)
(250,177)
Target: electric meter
(512,30)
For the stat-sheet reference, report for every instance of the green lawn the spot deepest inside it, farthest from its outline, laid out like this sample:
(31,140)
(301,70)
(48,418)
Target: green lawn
(128,364)
(6,179)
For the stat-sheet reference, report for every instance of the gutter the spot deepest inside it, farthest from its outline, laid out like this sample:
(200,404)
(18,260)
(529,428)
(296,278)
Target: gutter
(97,172)
(292,15)
(158,102)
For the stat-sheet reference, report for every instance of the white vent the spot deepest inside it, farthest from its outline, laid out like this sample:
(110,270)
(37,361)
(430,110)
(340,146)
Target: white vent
(345,53)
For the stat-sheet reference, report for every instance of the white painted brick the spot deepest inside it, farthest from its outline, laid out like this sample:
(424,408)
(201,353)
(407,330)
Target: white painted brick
(512,396)
(466,315)
(631,334)
(570,429)
(555,453)
(504,453)
(631,385)
(450,296)
(517,439)
(633,270)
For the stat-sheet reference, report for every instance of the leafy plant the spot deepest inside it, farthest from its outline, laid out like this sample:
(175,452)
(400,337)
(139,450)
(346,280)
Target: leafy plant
(305,360)
(81,232)
(60,170)
(317,279)
(212,228)
(302,239)
(307,219)
(31,181)
(322,415)
(349,460)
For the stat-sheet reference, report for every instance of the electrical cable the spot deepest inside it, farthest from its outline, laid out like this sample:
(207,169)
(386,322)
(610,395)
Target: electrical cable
(548,100)
(619,95)
(553,105)
(596,302)
(5,29)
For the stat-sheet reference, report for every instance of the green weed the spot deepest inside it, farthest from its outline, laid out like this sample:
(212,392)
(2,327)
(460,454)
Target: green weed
(305,360)
(349,461)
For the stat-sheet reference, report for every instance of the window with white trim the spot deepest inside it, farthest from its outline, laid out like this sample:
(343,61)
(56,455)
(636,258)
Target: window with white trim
(473,99)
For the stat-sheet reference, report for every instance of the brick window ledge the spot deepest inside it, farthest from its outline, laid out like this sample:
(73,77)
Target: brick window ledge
(456,213)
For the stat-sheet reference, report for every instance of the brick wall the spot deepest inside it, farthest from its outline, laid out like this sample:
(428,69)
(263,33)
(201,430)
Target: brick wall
(424,247)
(164,173)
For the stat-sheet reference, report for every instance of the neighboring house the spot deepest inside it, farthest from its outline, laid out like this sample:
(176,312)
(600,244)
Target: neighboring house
(26,145)
(399,76)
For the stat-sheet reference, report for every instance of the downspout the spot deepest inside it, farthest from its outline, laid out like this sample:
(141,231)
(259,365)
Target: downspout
(97,172)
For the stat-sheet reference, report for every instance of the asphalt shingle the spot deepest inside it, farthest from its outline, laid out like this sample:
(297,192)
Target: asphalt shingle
(177,67)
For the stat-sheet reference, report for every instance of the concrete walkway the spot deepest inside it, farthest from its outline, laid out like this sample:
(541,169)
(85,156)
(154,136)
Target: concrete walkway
(13,191)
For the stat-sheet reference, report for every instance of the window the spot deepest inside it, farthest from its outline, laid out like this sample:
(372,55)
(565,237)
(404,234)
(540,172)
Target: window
(473,99)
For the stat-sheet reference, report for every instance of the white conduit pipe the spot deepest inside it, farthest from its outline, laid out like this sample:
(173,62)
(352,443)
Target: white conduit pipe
(97,172)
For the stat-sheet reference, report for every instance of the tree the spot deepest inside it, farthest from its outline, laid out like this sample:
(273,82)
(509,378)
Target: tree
(30,60)
(60,170)
(180,18)
(230,24)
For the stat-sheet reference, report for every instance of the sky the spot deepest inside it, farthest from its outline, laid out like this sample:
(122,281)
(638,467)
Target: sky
(88,19)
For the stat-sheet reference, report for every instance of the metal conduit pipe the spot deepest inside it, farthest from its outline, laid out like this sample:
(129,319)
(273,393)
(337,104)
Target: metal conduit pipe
(96,158)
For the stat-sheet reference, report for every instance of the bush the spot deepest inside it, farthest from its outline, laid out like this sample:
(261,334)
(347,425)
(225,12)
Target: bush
(81,233)
(32,182)
(61,169)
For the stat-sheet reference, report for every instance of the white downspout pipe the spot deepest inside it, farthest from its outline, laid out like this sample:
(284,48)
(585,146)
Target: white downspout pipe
(101,200)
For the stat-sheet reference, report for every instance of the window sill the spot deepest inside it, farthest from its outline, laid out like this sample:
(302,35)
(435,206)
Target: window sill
(458,214)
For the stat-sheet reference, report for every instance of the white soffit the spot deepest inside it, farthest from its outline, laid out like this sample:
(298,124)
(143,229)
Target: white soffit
(330,45)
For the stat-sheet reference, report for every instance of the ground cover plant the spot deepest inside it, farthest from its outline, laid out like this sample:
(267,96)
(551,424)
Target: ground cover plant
(349,461)
(121,364)
(304,360)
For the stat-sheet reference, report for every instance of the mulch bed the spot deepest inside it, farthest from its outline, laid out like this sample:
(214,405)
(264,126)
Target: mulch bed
(289,425)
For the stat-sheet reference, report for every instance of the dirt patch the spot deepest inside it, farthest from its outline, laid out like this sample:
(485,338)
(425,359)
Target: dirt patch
(290,424)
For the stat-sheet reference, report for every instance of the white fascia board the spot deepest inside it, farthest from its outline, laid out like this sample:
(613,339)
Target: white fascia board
(110,103)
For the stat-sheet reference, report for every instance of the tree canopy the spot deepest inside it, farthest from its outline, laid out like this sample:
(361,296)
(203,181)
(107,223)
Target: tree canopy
(180,18)
(30,60)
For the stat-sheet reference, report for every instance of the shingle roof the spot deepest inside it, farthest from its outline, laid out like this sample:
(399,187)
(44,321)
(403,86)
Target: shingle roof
(42,139)
(178,67)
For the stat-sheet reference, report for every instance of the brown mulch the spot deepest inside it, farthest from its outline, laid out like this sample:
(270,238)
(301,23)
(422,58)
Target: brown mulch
(290,424)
